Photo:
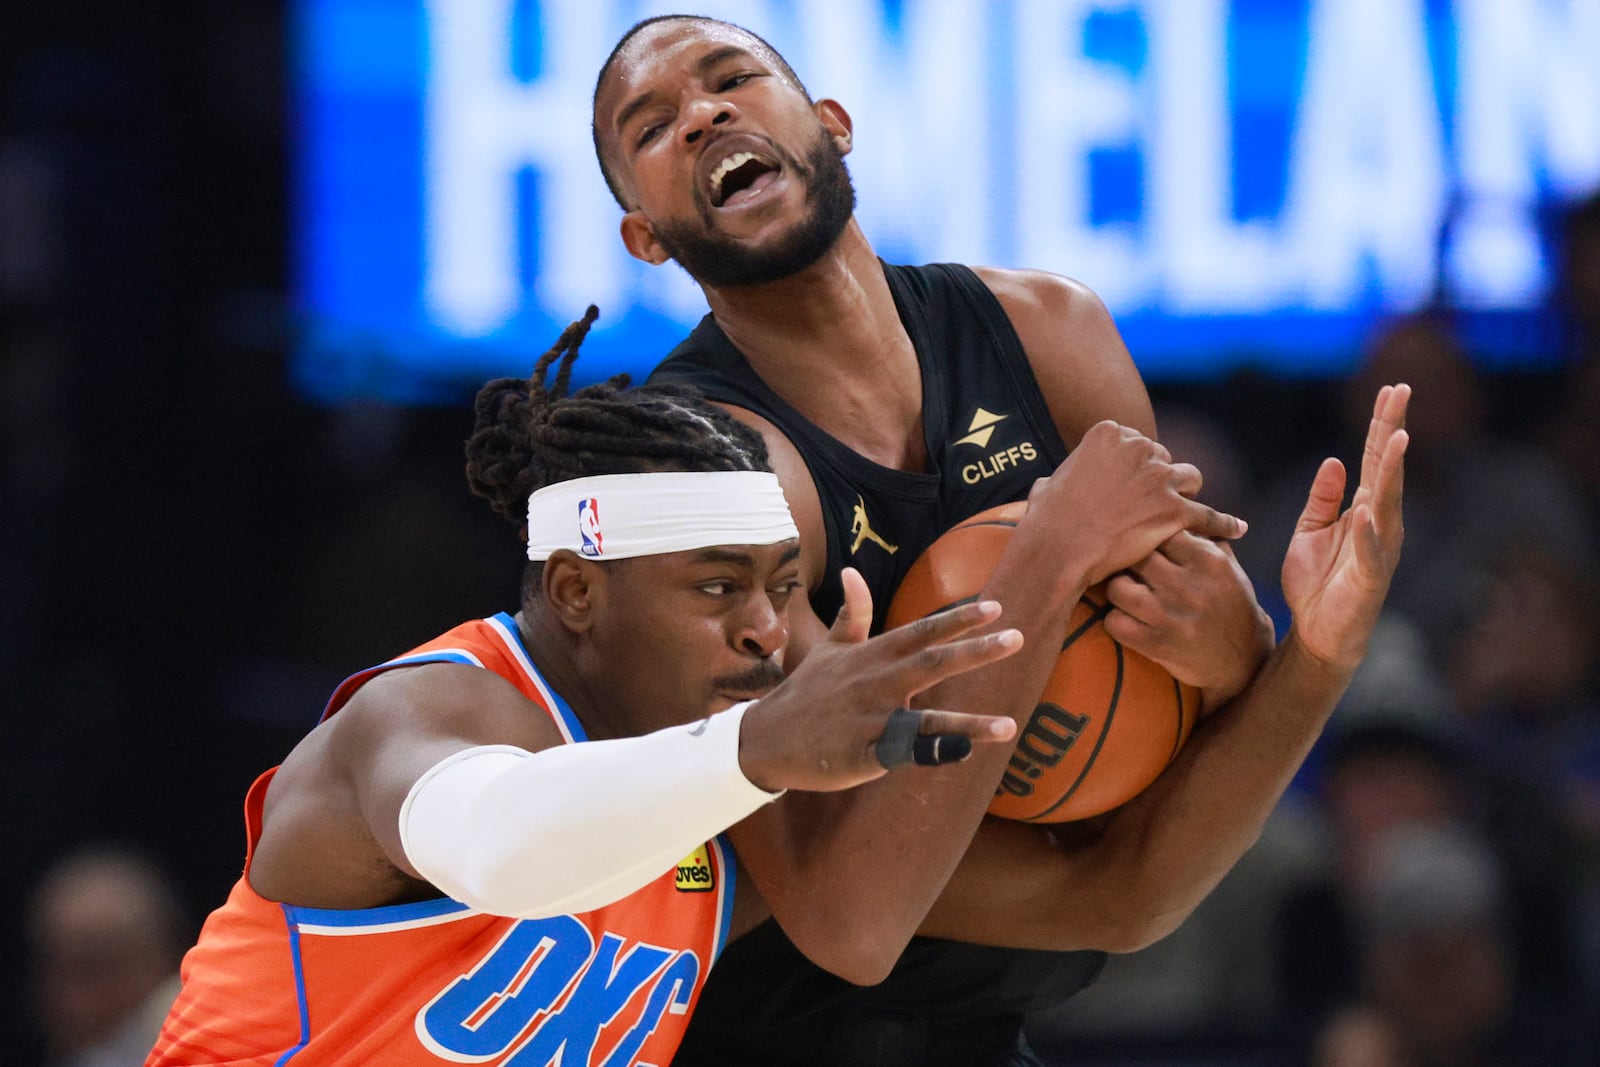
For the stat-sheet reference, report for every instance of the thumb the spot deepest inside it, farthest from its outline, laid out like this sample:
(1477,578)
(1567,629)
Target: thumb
(854,620)
(1327,493)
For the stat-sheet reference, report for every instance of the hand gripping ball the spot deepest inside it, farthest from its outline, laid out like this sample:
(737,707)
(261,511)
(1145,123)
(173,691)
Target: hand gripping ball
(1109,720)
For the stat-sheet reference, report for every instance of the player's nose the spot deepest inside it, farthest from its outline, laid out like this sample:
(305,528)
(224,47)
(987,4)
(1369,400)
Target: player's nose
(761,629)
(704,113)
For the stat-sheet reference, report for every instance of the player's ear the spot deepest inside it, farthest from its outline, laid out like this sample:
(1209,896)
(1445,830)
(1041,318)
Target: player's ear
(573,589)
(639,237)
(836,120)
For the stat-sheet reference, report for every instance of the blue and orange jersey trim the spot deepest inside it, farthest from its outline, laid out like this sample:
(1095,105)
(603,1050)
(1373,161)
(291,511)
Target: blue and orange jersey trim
(435,982)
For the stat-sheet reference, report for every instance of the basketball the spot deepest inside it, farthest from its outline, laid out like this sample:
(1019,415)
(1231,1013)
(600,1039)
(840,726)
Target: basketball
(1109,720)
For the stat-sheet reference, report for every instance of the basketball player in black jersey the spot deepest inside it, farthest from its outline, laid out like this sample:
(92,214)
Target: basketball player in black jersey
(896,401)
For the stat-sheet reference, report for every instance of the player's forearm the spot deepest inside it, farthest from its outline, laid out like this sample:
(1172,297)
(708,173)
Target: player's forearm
(1038,599)
(1039,602)
(574,827)
(857,871)
(1246,647)
(1169,847)
(1134,876)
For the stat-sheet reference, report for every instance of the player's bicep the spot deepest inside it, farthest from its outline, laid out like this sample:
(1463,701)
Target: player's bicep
(403,723)
(1078,357)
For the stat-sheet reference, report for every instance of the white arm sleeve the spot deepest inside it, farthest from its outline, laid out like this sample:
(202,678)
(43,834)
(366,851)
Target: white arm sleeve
(574,827)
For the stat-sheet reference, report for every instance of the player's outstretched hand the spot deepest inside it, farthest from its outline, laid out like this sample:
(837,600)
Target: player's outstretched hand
(843,717)
(1339,564)
(1113,501)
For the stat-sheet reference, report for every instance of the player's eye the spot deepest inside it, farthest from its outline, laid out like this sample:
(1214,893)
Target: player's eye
(787,588)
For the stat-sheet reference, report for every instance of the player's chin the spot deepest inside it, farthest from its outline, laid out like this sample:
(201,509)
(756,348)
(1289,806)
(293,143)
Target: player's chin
(761,226)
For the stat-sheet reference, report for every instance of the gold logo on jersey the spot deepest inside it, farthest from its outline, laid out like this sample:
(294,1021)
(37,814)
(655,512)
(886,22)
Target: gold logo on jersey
(999,462)
(695,874)
(982,428)
(979,434)
(863,532)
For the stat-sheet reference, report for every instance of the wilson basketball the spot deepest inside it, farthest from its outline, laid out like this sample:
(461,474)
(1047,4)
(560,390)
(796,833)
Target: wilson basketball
(1109,720)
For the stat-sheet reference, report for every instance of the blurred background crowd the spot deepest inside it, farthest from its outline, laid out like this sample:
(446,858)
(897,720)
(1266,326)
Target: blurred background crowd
(191,556)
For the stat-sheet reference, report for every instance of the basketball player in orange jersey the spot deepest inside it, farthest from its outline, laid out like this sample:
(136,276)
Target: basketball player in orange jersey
(503,846)
(895,402)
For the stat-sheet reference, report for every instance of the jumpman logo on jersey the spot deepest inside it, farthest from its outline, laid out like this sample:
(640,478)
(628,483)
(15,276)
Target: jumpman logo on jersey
(863,530)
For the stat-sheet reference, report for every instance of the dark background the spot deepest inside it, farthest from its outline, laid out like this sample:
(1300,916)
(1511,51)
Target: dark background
(189,556)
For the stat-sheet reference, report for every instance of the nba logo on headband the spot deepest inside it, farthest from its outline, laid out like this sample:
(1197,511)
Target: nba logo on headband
(589,528)
(651,513)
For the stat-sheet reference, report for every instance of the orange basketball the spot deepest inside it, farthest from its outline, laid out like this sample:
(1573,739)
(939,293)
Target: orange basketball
(1109,720)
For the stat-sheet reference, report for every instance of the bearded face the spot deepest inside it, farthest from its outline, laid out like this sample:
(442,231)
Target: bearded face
(718,261)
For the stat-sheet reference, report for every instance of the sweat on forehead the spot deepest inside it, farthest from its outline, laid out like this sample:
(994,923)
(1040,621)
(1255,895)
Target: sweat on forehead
(653,34)
(651,37)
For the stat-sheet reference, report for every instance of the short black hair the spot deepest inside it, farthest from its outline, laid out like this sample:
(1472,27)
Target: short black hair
(605,69)
(527,435)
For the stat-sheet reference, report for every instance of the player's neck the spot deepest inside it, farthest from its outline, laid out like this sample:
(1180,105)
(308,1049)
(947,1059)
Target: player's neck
(835,319)
(829,340)
(551,647)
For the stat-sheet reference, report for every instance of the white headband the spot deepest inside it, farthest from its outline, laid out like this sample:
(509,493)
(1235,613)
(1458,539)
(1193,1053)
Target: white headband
(619,516)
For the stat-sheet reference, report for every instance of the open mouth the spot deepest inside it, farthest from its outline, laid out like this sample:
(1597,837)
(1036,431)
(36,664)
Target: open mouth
(739,177)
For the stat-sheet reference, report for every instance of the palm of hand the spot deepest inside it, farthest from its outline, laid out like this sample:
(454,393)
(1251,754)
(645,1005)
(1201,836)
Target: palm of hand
(1338,566)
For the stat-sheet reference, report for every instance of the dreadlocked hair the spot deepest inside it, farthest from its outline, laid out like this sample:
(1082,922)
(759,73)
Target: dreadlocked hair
(527,435)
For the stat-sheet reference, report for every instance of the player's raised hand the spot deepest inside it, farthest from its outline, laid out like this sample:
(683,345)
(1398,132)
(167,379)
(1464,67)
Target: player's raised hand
(843,718)
(1339,564)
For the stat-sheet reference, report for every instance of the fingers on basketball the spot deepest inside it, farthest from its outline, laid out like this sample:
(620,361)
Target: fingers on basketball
(1109,720)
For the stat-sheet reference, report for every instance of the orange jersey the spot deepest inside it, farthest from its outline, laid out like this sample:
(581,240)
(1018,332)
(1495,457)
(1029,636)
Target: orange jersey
(437,982)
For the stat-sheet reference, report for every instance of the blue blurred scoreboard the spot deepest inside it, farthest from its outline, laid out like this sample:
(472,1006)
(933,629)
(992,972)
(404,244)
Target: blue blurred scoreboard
(1247,182)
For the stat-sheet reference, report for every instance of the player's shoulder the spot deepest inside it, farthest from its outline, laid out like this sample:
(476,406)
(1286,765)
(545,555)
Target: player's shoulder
(1082,367)
(780,448)
(438,699)
(1027,294)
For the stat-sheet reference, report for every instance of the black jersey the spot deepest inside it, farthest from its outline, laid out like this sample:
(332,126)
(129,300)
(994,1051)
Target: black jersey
(988,436)
(985,425)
